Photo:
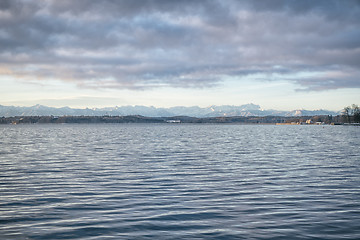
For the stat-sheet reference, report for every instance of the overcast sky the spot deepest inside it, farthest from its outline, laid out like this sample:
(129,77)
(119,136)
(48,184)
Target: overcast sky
(279,54)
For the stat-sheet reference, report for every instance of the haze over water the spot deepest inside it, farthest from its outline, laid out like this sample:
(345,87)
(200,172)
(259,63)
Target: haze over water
(178,181)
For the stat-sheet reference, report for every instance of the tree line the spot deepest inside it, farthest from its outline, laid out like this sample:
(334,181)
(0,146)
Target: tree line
(351,114)
(319,119)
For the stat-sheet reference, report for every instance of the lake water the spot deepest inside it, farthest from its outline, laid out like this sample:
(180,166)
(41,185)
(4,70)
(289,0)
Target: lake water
(179,181)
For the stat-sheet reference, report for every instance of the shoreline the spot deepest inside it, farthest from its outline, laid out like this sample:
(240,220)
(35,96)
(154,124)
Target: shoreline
(249,120)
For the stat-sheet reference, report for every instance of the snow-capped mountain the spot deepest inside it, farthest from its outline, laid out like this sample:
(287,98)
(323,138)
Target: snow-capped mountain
(212,111)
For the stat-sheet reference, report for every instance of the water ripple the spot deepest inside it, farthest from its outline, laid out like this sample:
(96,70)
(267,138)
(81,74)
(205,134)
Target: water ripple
(179,182)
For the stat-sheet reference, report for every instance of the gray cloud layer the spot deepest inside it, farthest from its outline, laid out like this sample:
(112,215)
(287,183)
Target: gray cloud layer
(183,43)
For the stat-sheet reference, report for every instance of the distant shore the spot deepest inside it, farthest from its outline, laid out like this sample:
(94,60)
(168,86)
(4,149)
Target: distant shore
(278,120)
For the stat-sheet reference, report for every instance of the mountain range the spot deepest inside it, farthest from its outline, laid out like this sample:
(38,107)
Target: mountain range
(212,111)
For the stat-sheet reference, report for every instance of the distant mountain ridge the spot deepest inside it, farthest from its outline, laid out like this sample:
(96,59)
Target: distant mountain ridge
(212,111)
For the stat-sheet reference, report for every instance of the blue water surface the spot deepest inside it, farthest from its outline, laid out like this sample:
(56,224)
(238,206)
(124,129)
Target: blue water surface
(179,181)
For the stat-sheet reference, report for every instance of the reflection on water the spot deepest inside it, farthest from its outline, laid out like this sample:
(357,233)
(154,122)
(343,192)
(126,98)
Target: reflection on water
(134,181)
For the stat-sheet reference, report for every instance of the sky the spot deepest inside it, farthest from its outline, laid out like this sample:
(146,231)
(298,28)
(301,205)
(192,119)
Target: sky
(280,54)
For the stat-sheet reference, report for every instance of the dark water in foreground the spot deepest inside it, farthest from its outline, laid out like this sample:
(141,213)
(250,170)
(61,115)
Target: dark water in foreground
(179,182)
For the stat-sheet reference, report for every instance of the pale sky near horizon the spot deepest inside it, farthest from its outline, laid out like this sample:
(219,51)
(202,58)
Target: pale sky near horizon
(282,55)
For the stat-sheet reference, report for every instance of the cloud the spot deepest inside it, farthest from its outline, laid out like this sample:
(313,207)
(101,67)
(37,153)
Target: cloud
(156,43)
(331,79)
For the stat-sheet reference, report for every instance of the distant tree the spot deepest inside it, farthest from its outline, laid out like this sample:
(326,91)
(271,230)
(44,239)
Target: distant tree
(329,119)
(352,112)
(347,113)
(356,113)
